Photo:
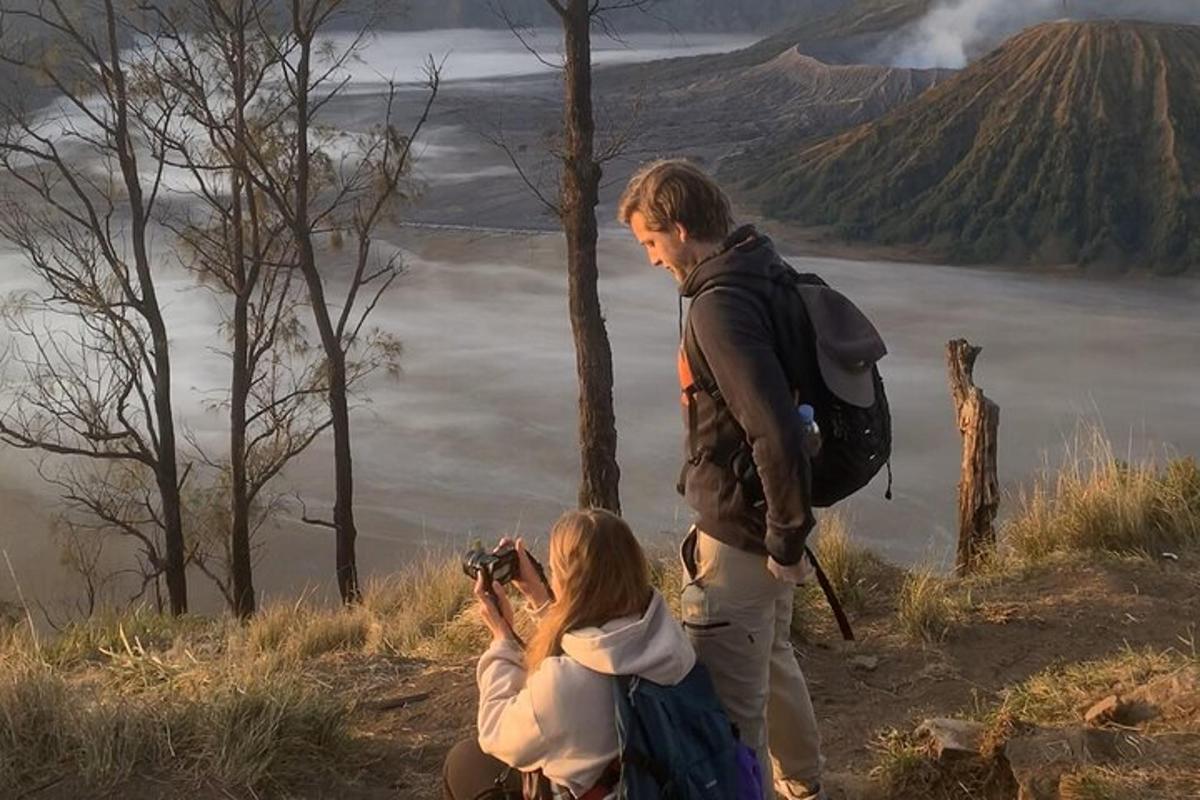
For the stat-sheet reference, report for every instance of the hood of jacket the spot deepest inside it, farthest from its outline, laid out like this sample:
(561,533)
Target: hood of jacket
(745,256)
(653,646)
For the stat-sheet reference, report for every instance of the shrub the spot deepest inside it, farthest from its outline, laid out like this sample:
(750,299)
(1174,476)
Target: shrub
(418,604)
(237,724)
(924,608)
(88,639)
(852,569)
(1098,502)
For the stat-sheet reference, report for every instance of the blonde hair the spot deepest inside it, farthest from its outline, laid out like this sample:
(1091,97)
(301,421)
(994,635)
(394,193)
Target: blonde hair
(677,191)
(602,574)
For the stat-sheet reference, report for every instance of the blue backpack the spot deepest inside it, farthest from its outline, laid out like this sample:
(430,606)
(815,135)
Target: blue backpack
(677,743)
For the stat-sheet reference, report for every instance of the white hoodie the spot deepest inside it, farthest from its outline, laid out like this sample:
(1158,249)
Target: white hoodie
(561,719)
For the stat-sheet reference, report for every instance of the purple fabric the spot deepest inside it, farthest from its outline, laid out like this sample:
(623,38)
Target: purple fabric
(749,774)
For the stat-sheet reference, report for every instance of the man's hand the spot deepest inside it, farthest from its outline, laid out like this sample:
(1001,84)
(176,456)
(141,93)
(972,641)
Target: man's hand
(797,573)
(527,580)
(494,609)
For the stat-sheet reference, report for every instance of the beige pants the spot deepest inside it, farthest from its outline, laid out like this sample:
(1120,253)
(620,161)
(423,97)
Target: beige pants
(739,619)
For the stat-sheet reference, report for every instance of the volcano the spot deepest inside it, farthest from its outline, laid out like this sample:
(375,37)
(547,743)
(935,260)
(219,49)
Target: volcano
(1071,143)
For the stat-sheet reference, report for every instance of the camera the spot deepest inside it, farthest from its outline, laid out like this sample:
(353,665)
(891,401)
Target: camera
(500,566)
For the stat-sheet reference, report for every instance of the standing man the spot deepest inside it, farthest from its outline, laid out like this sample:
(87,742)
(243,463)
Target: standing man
(744,556)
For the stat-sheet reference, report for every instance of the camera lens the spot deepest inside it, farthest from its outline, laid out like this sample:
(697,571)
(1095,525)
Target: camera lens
(473,561)
(505,567)
(502,572)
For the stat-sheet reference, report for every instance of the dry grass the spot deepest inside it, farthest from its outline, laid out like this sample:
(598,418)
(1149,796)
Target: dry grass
(1098,502)
(240,725)
(245,707)
(303,633)
(422,607)
(906,767)
(902,764)
(191,700)
(1060,695)
(90,639)
(1123,782)
(666,573)
(1097,783)
(1159,769)
(852,569)
(424,611)
(925,608)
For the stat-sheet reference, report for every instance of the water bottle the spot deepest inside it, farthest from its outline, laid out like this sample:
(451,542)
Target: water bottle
(812,433)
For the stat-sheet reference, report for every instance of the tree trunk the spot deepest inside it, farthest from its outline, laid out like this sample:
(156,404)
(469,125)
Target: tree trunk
(343,504)
(239,396)
(239,531)
(240,568)
(580,193)
(166,468)
(979,487)
(346,565)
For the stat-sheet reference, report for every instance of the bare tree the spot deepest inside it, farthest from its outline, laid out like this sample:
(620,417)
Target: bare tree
(98,371)
(576,208)
(330,203)
(104,502)
(215,60)
(212,545)
(601,476)
(82,553)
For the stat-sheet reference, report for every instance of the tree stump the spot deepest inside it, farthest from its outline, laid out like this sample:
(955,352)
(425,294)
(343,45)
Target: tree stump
(979,487)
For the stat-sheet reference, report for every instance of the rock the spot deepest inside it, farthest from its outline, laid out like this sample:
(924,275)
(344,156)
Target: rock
(1104,711)
(1040,758)
(1041,786)
(1174,697)
(953,738)
(865,663)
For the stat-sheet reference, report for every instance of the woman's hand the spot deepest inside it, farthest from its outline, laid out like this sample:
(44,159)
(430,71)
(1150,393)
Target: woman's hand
(527,580)
(495,610)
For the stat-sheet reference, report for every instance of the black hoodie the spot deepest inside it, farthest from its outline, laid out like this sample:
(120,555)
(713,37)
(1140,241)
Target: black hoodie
(733,319)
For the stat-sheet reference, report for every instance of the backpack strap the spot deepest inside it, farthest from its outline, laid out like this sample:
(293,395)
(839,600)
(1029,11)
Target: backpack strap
(702,381)
(610,780)
(500,790)
(702,377)
(834,604)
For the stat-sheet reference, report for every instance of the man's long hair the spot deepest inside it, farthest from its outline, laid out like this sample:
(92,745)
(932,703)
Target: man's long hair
(677,191)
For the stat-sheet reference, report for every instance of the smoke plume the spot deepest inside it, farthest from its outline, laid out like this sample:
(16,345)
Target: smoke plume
(956,31)
(952,32)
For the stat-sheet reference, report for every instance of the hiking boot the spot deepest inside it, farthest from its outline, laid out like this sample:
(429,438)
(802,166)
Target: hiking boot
(795,790)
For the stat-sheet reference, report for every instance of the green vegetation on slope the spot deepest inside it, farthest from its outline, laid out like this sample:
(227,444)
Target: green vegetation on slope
(1072,143)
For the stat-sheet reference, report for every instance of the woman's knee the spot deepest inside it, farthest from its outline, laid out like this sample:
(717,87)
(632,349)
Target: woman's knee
(459,764)
(468,772)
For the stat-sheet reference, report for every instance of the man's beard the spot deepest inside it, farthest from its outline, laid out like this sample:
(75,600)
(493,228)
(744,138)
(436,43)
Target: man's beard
(685,268)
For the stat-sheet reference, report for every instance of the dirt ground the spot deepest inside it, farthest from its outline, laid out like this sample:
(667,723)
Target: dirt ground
(1010,631)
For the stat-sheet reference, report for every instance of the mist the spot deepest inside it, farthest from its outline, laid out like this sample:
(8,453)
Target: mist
(955,32)
(476,437)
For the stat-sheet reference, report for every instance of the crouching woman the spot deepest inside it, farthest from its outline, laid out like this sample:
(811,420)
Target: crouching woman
(549,709)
